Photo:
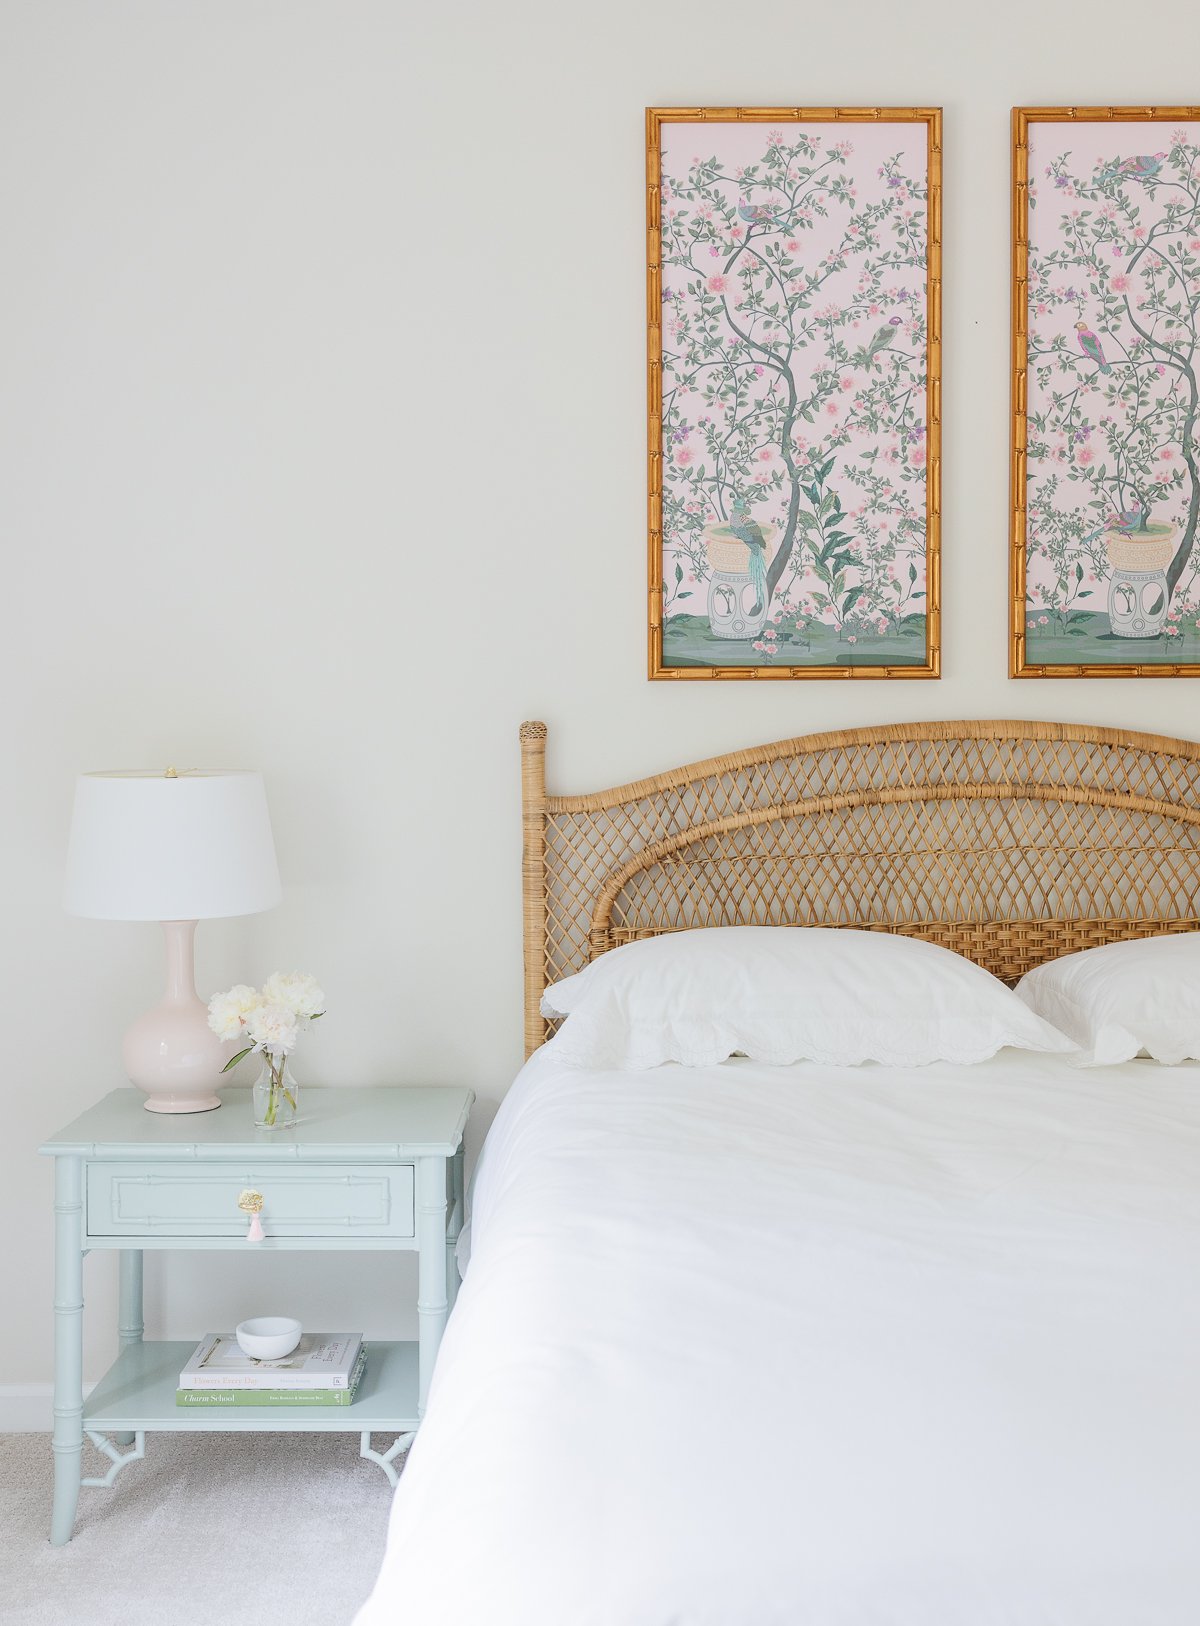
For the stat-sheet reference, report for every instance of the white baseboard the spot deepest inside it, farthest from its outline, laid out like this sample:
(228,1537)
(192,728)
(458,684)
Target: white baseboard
(28,1408)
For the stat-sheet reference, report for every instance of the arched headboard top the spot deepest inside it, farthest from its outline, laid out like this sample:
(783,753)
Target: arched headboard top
(1011,842)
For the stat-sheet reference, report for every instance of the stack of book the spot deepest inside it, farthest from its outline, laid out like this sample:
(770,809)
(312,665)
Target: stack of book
(324,1369)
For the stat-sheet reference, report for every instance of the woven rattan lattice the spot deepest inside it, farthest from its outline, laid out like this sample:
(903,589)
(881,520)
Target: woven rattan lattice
(1009,842)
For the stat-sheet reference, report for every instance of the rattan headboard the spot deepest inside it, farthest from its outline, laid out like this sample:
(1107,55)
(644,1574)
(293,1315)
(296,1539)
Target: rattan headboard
(1009,842)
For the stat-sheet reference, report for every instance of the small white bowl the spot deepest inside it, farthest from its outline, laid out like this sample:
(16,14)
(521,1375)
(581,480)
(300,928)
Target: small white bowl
(268,1337)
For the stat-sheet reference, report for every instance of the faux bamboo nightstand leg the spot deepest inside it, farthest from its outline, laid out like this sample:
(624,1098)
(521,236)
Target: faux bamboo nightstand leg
(68,1345)
(454,1226)
(432,1306)
(129,1324)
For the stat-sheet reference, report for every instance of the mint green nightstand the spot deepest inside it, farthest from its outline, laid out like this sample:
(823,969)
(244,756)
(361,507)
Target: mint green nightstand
(365,1170)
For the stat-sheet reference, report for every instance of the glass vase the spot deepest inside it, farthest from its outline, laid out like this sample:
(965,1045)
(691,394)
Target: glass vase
(275,1095)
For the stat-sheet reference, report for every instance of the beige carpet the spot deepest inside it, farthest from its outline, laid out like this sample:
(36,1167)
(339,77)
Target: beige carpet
(245,1529)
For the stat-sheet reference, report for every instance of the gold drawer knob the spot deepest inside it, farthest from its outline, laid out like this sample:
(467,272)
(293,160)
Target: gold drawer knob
(251,1202)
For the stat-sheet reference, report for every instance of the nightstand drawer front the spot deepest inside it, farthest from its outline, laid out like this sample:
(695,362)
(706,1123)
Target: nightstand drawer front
(129,1199)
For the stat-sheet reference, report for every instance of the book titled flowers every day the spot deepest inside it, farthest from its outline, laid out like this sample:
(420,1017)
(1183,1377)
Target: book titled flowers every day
(321,1360)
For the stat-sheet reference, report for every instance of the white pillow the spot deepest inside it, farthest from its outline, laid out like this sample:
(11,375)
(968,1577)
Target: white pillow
(1124,1000)
(788,993)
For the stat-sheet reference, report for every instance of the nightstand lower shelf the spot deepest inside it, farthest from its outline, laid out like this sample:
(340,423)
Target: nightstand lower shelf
(137,1394)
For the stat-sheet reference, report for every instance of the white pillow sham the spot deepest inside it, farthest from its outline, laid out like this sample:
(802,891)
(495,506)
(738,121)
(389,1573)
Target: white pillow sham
(1124,1000)
(781,994)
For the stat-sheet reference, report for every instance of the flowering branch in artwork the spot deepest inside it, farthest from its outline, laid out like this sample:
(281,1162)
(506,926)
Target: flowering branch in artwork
(1114,308)
(794,382)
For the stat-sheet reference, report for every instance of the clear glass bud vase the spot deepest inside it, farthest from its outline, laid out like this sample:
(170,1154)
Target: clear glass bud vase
(276,1095)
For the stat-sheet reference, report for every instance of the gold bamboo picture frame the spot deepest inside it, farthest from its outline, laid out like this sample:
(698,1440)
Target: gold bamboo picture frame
(1105,474)
(794,392)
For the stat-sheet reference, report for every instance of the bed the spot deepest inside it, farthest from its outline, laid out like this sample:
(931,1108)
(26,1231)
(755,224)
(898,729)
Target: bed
(804,1344)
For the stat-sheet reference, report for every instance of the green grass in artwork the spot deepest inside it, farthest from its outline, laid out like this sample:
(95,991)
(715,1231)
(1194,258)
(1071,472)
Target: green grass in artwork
(688,641)
(1087,640)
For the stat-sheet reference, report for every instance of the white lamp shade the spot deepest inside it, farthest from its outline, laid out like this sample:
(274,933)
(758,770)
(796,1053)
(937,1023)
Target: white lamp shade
(145,846)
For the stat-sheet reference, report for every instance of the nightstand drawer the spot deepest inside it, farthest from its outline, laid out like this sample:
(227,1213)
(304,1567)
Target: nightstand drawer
(128,1199)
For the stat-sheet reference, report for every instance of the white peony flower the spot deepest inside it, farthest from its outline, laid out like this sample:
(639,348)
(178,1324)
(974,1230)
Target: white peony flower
(297,990)
(274,1028)
(227,1013)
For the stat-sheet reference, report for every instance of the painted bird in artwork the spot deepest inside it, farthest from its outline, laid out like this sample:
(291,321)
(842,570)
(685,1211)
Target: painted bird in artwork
(1090,345)
(750,532)
(757,214)
(1144,168)
(1130,519)
(1127,521)
(884,337)
(1141,168)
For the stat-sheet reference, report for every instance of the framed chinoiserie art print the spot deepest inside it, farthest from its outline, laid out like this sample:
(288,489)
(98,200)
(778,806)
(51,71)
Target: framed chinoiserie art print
(794,391)
(1106,392)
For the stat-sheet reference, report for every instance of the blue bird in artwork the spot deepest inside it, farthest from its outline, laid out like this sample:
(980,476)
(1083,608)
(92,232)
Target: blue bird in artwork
(1131,519)
(1144,168)
(750,532)
(1127,521)
(757,214)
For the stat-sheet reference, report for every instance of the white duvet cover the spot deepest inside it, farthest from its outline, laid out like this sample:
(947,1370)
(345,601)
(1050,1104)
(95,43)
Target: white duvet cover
(805,1346)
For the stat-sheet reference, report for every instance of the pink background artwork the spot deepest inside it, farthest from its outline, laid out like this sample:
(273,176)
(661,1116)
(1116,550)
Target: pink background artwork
(794,392)
(1114,288)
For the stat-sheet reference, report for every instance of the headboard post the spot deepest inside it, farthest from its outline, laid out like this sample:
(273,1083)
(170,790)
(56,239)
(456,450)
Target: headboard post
(533,878)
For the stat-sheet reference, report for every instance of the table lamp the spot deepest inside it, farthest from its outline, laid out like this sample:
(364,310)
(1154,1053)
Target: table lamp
(176,848)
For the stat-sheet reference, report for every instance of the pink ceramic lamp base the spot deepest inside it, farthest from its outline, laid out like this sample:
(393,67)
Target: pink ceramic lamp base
(170,1051)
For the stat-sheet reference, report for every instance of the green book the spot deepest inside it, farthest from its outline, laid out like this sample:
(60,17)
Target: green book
(276,1397)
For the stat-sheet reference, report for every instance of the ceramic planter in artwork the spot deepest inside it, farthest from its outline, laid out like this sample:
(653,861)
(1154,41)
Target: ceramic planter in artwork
(734,610)
(1138,594)
(1151,549)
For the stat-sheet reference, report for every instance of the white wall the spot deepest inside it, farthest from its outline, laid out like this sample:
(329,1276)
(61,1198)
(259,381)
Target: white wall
(322,422)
